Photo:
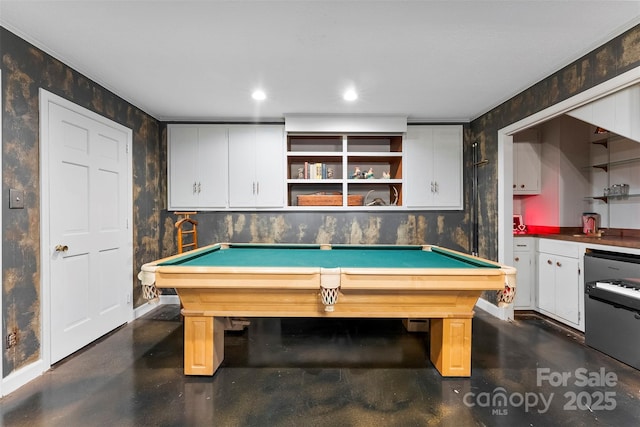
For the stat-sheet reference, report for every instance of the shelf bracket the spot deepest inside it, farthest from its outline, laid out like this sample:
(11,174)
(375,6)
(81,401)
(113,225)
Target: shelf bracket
(604,142)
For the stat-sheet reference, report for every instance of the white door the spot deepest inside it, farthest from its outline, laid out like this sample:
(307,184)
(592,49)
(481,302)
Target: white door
(418,158)
(447,166)
(269,151)
(212,166)
(183,177)
(547,283)
(568,289)
(242,166)
(90,248)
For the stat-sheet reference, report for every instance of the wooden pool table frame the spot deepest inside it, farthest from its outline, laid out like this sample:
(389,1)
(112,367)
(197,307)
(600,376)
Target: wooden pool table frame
(446,296)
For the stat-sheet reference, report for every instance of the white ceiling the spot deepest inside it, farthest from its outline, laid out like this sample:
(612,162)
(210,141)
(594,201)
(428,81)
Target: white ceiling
(429,60)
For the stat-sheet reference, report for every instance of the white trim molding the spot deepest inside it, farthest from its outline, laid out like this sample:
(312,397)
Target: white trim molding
(344,123)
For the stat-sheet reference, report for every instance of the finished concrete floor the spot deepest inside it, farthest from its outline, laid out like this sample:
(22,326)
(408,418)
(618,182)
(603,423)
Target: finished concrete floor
(331,372)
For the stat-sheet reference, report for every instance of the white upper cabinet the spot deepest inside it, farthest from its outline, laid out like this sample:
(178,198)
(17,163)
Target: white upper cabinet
(256,166)
(197,163)
(526,168)
(433,167)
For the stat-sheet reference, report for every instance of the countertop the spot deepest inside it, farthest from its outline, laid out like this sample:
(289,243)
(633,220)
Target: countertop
(628,238)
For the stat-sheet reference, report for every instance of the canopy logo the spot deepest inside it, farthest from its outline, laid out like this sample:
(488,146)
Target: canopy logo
(499,401)
(578,397)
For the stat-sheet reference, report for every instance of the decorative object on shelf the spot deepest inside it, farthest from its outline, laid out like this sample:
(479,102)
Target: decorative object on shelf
(518,225)
(600,130)
(386,175)
(369,174)
(329,173)
(375,202)
(396,196)
(357,173)
(329,199)
(618,190)
(300,173)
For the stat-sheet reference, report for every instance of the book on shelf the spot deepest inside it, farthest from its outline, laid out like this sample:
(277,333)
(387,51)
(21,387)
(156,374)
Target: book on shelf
(315,170)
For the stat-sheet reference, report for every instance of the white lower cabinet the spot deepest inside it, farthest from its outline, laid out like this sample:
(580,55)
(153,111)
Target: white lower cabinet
(559,281)
(524,260)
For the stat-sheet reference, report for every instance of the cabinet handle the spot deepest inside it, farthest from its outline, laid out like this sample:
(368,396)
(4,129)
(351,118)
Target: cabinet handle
(194,187)
(432,187)
(517,259)
(253,188)
(558,264)
(258,187)
(522,186)
(436,184)
(514,186)
(549,262)
(199,188)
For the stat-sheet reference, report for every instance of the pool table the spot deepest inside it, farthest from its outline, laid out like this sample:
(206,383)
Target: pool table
(286,280)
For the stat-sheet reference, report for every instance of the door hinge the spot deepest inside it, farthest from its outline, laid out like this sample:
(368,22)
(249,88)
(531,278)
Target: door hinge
(127,145)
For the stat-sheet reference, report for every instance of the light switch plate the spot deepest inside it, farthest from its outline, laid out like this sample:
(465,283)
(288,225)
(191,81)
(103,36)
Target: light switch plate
(16,199)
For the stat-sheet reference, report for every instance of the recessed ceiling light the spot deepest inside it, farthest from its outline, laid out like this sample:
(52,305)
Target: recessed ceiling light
(259,95)
(350,95)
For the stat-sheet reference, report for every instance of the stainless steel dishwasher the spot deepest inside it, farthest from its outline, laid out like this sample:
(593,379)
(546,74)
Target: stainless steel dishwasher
(612,304)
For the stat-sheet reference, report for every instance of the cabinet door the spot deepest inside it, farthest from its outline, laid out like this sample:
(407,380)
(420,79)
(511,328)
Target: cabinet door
(418,161)
(567,289)
(447,167)
(212,167)
(269,151)
(433,165)
(183,180)
(546,283)
(527,170)
(522,261)
(242,166)
(256,177)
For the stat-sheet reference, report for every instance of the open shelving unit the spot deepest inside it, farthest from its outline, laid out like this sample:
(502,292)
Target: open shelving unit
(344,171)
(615,159)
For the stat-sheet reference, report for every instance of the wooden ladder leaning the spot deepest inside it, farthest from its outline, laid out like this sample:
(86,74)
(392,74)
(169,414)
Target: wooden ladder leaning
(187,231)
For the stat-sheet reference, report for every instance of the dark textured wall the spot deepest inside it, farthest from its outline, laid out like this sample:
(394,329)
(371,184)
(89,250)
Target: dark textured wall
(446,229)
(610,60)
(25,70)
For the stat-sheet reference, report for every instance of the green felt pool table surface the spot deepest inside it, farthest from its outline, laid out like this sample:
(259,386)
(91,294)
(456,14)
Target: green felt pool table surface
(352,256)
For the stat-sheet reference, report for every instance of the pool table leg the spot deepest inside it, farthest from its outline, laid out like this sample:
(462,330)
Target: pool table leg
(203,344)
(450,348)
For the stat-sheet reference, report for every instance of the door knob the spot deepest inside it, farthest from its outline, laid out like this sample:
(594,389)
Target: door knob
(62,248)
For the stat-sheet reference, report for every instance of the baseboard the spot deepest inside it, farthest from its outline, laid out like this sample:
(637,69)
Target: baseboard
(22,376)
(148,306)
(502,313)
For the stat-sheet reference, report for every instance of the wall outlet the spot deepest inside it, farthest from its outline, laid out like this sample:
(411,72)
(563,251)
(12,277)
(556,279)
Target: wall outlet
(12,339)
